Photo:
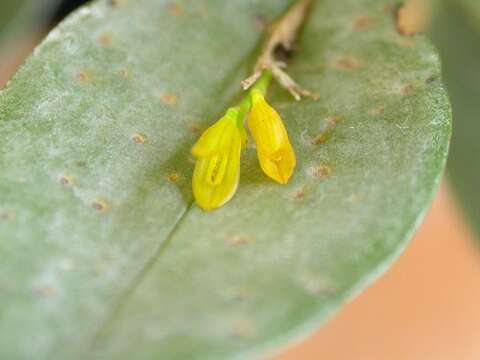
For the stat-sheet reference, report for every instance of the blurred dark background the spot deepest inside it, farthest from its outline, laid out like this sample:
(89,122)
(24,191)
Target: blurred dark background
(64,8)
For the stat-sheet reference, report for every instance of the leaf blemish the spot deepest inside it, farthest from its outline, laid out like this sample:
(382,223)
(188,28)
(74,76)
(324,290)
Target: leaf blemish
(194,128)
(378,111)
(431,79)
(83,77)
(105,39)
(169,99)
(326,133)
(139,138)
(174,177)
(174,9)
(347,63)
(362,23)
(100,205)
(67,181)
(408,89)
(320,171)
(299,194)
(388,8)
(238,240)
(124,73)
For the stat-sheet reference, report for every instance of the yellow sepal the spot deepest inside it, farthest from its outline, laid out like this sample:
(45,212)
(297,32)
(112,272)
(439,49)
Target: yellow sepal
(217,166)
(274,151)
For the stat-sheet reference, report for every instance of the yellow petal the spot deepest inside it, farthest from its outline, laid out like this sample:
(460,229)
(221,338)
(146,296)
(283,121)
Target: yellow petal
(274,151)
(212,138)
(217,169)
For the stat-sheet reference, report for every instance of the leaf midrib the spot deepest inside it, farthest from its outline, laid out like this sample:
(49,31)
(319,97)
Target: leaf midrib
(108,321)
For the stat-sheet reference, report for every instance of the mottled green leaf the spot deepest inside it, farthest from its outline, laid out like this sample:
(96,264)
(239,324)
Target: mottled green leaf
(104,254)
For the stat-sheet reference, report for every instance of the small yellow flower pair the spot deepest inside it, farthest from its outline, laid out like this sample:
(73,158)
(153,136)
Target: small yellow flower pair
(217,152)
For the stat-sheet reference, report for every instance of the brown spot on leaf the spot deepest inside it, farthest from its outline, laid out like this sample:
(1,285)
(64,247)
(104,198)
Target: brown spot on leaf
(139,138)
(334,120)
(194,128)
(67,180)
(347,63)
(408,90)
(299,194)
(320,171)
(83,77)
(378,111)
(331,123)
(413,17)
(238,240)
(362,23)
(389,8)
(100,205)
(431,79)
(174,9)
(174,177)
(124,73)
(105,39)
(169,99)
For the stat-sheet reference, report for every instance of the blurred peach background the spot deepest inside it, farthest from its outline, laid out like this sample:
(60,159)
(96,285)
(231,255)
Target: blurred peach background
(424,308)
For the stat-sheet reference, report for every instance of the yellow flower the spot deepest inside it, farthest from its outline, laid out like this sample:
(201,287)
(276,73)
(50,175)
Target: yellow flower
(217,167)
(274,151)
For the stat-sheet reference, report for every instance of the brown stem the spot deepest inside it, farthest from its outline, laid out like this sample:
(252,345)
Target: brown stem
(281,36)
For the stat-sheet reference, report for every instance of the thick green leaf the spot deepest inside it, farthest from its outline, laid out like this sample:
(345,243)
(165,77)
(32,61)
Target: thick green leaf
(103,253)
(456,32)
